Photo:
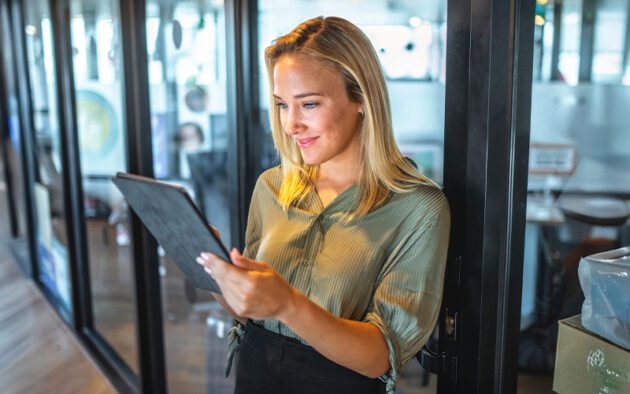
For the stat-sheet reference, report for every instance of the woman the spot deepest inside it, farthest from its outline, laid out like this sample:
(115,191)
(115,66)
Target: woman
(341,278)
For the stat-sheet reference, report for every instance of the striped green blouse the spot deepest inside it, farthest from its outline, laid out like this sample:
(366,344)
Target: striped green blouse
(385,268)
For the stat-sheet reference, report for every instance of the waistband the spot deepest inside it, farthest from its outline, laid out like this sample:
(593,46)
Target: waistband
(295,356)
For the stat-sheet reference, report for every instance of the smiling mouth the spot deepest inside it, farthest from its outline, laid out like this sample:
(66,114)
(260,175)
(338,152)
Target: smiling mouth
(305,142)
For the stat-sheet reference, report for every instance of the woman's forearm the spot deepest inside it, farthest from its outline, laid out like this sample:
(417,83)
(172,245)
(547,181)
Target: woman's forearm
(355,345)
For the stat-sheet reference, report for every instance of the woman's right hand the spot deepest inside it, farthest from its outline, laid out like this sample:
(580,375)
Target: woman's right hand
(219,298)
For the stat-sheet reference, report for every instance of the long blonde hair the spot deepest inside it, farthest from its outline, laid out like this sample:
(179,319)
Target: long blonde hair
(337,42)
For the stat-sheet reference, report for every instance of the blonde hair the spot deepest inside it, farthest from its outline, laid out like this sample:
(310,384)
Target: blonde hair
(341,44)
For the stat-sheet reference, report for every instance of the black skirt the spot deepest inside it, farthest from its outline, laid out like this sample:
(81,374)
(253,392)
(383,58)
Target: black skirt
(271,363)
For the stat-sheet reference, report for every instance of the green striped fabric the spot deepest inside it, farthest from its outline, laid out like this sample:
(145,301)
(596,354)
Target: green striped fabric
(386,268)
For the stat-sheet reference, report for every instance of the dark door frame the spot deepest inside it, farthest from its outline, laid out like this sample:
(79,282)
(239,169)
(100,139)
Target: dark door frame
(4,135)
(119,373)
(150,335)
(10,13)
(488,104)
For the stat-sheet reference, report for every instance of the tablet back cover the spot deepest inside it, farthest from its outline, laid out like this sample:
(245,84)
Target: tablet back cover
(172,218)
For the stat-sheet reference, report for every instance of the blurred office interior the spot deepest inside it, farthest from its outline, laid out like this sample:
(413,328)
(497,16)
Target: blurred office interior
(533,94)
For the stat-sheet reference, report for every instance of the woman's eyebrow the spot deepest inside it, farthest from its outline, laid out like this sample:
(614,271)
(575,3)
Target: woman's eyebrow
(301,95)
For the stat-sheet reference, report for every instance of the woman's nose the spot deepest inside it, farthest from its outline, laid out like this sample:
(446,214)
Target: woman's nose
(293,124)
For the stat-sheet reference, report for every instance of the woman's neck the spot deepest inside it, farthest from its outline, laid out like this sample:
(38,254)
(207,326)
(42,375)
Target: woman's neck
(337,176)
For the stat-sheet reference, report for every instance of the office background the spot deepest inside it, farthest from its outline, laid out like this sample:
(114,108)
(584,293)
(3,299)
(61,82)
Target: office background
(514,107)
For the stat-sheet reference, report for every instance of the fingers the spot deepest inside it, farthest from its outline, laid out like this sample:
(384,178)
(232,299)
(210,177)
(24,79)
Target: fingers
(202,260)
(215,231)
(211,263)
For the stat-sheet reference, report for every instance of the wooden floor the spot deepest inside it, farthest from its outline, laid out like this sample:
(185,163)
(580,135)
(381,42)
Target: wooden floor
(38,353)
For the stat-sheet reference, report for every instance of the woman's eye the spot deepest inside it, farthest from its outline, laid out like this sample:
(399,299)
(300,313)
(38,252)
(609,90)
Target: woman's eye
(281,105)
(310,105)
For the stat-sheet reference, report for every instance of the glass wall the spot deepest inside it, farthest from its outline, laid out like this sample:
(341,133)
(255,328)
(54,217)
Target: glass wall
(579,178)
(12,138)
(98,78)
(5,223)
(410,39)
(48,187)
(187,82)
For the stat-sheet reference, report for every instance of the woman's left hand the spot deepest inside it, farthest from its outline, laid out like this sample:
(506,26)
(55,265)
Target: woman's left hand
(251,288)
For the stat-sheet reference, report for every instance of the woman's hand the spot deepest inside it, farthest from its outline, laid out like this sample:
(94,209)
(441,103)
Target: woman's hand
(251,288)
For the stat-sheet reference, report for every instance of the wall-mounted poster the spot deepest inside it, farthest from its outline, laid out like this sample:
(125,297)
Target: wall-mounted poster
(100,132)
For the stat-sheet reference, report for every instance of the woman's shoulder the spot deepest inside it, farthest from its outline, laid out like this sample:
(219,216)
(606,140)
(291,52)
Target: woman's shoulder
(429,199)
(270,180)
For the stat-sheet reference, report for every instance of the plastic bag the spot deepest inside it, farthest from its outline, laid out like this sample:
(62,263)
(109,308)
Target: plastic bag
(605,281)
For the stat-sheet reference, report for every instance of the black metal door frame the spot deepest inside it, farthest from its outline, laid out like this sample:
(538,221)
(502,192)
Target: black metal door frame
(4,135)
(10,13)
(121,376)
(488,105)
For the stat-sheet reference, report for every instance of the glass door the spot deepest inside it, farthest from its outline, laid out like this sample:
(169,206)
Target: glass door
(578,192)
(49,194)
(98,82)
(12,140)
(186,51)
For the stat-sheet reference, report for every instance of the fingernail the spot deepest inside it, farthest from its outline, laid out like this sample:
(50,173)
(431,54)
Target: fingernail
(199,260)
(208,270)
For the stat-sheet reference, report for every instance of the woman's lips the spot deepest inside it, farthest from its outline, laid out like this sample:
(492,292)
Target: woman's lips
(306,142)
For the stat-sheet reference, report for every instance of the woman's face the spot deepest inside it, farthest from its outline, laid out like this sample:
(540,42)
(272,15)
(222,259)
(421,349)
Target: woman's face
(315,110)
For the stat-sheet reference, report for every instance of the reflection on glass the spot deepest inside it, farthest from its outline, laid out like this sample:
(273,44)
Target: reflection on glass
(97,64)
(579,177)
(12,140)
(410,39)
(187,75)
(5,225)
(48,187)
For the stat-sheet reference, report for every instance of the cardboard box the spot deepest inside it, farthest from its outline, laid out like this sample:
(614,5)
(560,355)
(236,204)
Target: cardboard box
(588,363)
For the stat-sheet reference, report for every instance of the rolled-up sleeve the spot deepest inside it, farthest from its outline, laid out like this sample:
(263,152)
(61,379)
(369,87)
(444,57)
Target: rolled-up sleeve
(406,303)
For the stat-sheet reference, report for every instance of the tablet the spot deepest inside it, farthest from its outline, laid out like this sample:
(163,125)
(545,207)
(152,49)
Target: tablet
(176,223)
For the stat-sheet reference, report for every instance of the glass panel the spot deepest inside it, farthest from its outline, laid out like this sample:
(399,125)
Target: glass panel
(5,224)
(578,198)
(12,139)
(97,64)
(48,187)
(410,39)
(570,31)
(608,54)
(187,74)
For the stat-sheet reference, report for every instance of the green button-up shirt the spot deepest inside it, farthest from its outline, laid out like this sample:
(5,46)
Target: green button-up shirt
(385,268)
